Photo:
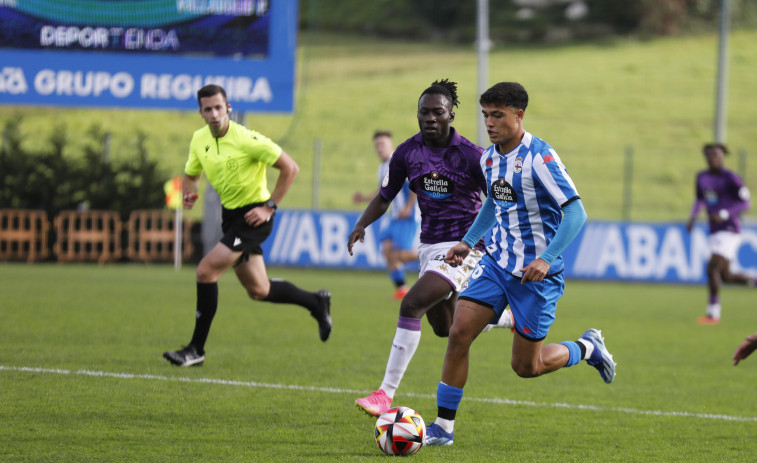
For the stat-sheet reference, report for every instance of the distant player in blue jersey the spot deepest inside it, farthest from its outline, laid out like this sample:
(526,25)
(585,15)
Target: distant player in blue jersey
(533,212)
(399,229)
(442,168)
(723,195)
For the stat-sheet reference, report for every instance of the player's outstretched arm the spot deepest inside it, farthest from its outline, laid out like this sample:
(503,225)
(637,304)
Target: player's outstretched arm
(745,348)
(457,254)
(375,209)
(485,221)
(535,271)
(189,186)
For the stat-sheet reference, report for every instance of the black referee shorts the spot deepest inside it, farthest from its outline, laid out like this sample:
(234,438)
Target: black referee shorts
(238,235)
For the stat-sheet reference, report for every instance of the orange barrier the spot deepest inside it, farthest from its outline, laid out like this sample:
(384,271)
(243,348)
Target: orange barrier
(88,236)
(23,234)
(151,236)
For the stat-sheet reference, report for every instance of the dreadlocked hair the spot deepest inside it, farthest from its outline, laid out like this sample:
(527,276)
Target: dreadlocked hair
(444,87)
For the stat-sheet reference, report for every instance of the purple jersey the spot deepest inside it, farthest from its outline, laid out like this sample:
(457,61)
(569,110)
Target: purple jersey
(719,191)
(448,182)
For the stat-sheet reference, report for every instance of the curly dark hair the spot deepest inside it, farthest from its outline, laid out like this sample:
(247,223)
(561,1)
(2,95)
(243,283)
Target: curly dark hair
(505,94)
(443,87)
(709,146)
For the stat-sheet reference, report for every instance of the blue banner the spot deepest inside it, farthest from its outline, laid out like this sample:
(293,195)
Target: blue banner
(625,251)
(650,252)
(319,239)
(151,65)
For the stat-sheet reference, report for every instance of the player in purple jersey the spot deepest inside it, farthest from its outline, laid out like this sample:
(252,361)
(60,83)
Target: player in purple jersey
(443,170)
(723,195)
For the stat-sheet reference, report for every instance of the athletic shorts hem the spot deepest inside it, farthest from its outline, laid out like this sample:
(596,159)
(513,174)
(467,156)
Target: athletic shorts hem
(476,301)
(528,338)
(443,277)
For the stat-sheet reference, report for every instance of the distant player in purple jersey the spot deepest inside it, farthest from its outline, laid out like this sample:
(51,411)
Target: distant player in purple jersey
(723,195)
(443,170)
(532,213)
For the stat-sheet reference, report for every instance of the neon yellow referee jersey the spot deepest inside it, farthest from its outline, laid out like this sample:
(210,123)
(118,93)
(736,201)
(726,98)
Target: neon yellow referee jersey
(234,164)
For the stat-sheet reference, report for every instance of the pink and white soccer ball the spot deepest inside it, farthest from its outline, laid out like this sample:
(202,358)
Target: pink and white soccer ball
(400,431)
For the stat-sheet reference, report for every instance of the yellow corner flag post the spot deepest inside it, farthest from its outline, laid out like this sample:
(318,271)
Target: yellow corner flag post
(174,201)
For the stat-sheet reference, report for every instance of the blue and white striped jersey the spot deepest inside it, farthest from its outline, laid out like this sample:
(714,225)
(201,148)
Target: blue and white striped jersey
(529,186)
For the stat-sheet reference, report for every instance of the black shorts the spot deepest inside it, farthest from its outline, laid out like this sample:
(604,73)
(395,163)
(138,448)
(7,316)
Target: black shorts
(238,235)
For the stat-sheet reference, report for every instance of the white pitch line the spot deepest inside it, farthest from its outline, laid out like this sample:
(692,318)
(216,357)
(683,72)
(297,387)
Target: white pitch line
(255,384)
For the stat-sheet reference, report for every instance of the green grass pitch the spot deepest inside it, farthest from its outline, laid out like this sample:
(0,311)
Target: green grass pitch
(82,378)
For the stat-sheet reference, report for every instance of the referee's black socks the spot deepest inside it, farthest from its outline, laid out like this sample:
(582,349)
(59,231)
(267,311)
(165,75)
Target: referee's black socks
(207,304)
(284,292)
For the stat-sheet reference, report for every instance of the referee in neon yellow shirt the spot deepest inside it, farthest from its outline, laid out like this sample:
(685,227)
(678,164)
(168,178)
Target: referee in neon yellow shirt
(234,159)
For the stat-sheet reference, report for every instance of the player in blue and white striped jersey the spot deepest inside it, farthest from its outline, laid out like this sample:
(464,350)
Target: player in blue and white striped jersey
(529,187)
(533,212)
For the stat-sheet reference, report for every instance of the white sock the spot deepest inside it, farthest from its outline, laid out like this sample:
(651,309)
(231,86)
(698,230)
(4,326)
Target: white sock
(403,348)
(713,310)
(589,348)
(505,321)
(447,425)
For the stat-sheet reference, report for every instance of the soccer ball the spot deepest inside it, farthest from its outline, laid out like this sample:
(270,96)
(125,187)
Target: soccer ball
(400,431)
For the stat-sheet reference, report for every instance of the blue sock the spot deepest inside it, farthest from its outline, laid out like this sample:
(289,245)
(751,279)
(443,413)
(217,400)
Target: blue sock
(575,352)
(448,396)
(398,277)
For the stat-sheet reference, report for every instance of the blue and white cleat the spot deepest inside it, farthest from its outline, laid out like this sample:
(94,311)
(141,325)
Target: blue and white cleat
(600,358)
(435,435)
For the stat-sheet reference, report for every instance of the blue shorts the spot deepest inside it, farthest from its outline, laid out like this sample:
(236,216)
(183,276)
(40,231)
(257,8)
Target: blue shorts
(533,304)
(402,233)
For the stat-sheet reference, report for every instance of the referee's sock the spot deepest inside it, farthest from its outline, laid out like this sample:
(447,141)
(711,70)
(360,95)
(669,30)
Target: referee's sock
(207,304)
(284,292)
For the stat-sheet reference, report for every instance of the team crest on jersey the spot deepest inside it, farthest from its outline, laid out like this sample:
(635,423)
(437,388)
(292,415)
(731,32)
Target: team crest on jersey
(518,165)
(489,162)
(231,164)
(437,185)
(711,197)
(385,182)
(503,193)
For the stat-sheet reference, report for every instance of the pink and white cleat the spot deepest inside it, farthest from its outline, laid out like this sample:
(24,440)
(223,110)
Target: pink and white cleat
(375,404)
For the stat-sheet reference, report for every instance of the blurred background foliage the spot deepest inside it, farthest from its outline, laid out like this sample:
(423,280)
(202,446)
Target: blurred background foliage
(624,91)
(522,20)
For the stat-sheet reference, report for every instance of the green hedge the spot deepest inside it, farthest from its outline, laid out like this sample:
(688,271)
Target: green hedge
(47,180)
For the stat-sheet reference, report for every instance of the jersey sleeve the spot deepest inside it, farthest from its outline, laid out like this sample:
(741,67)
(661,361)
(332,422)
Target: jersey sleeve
(736,185)
(698,191)
(573,220)
(262,148)
(554,177)
(741,194)
(193,166)
(485,221)
(395,178)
